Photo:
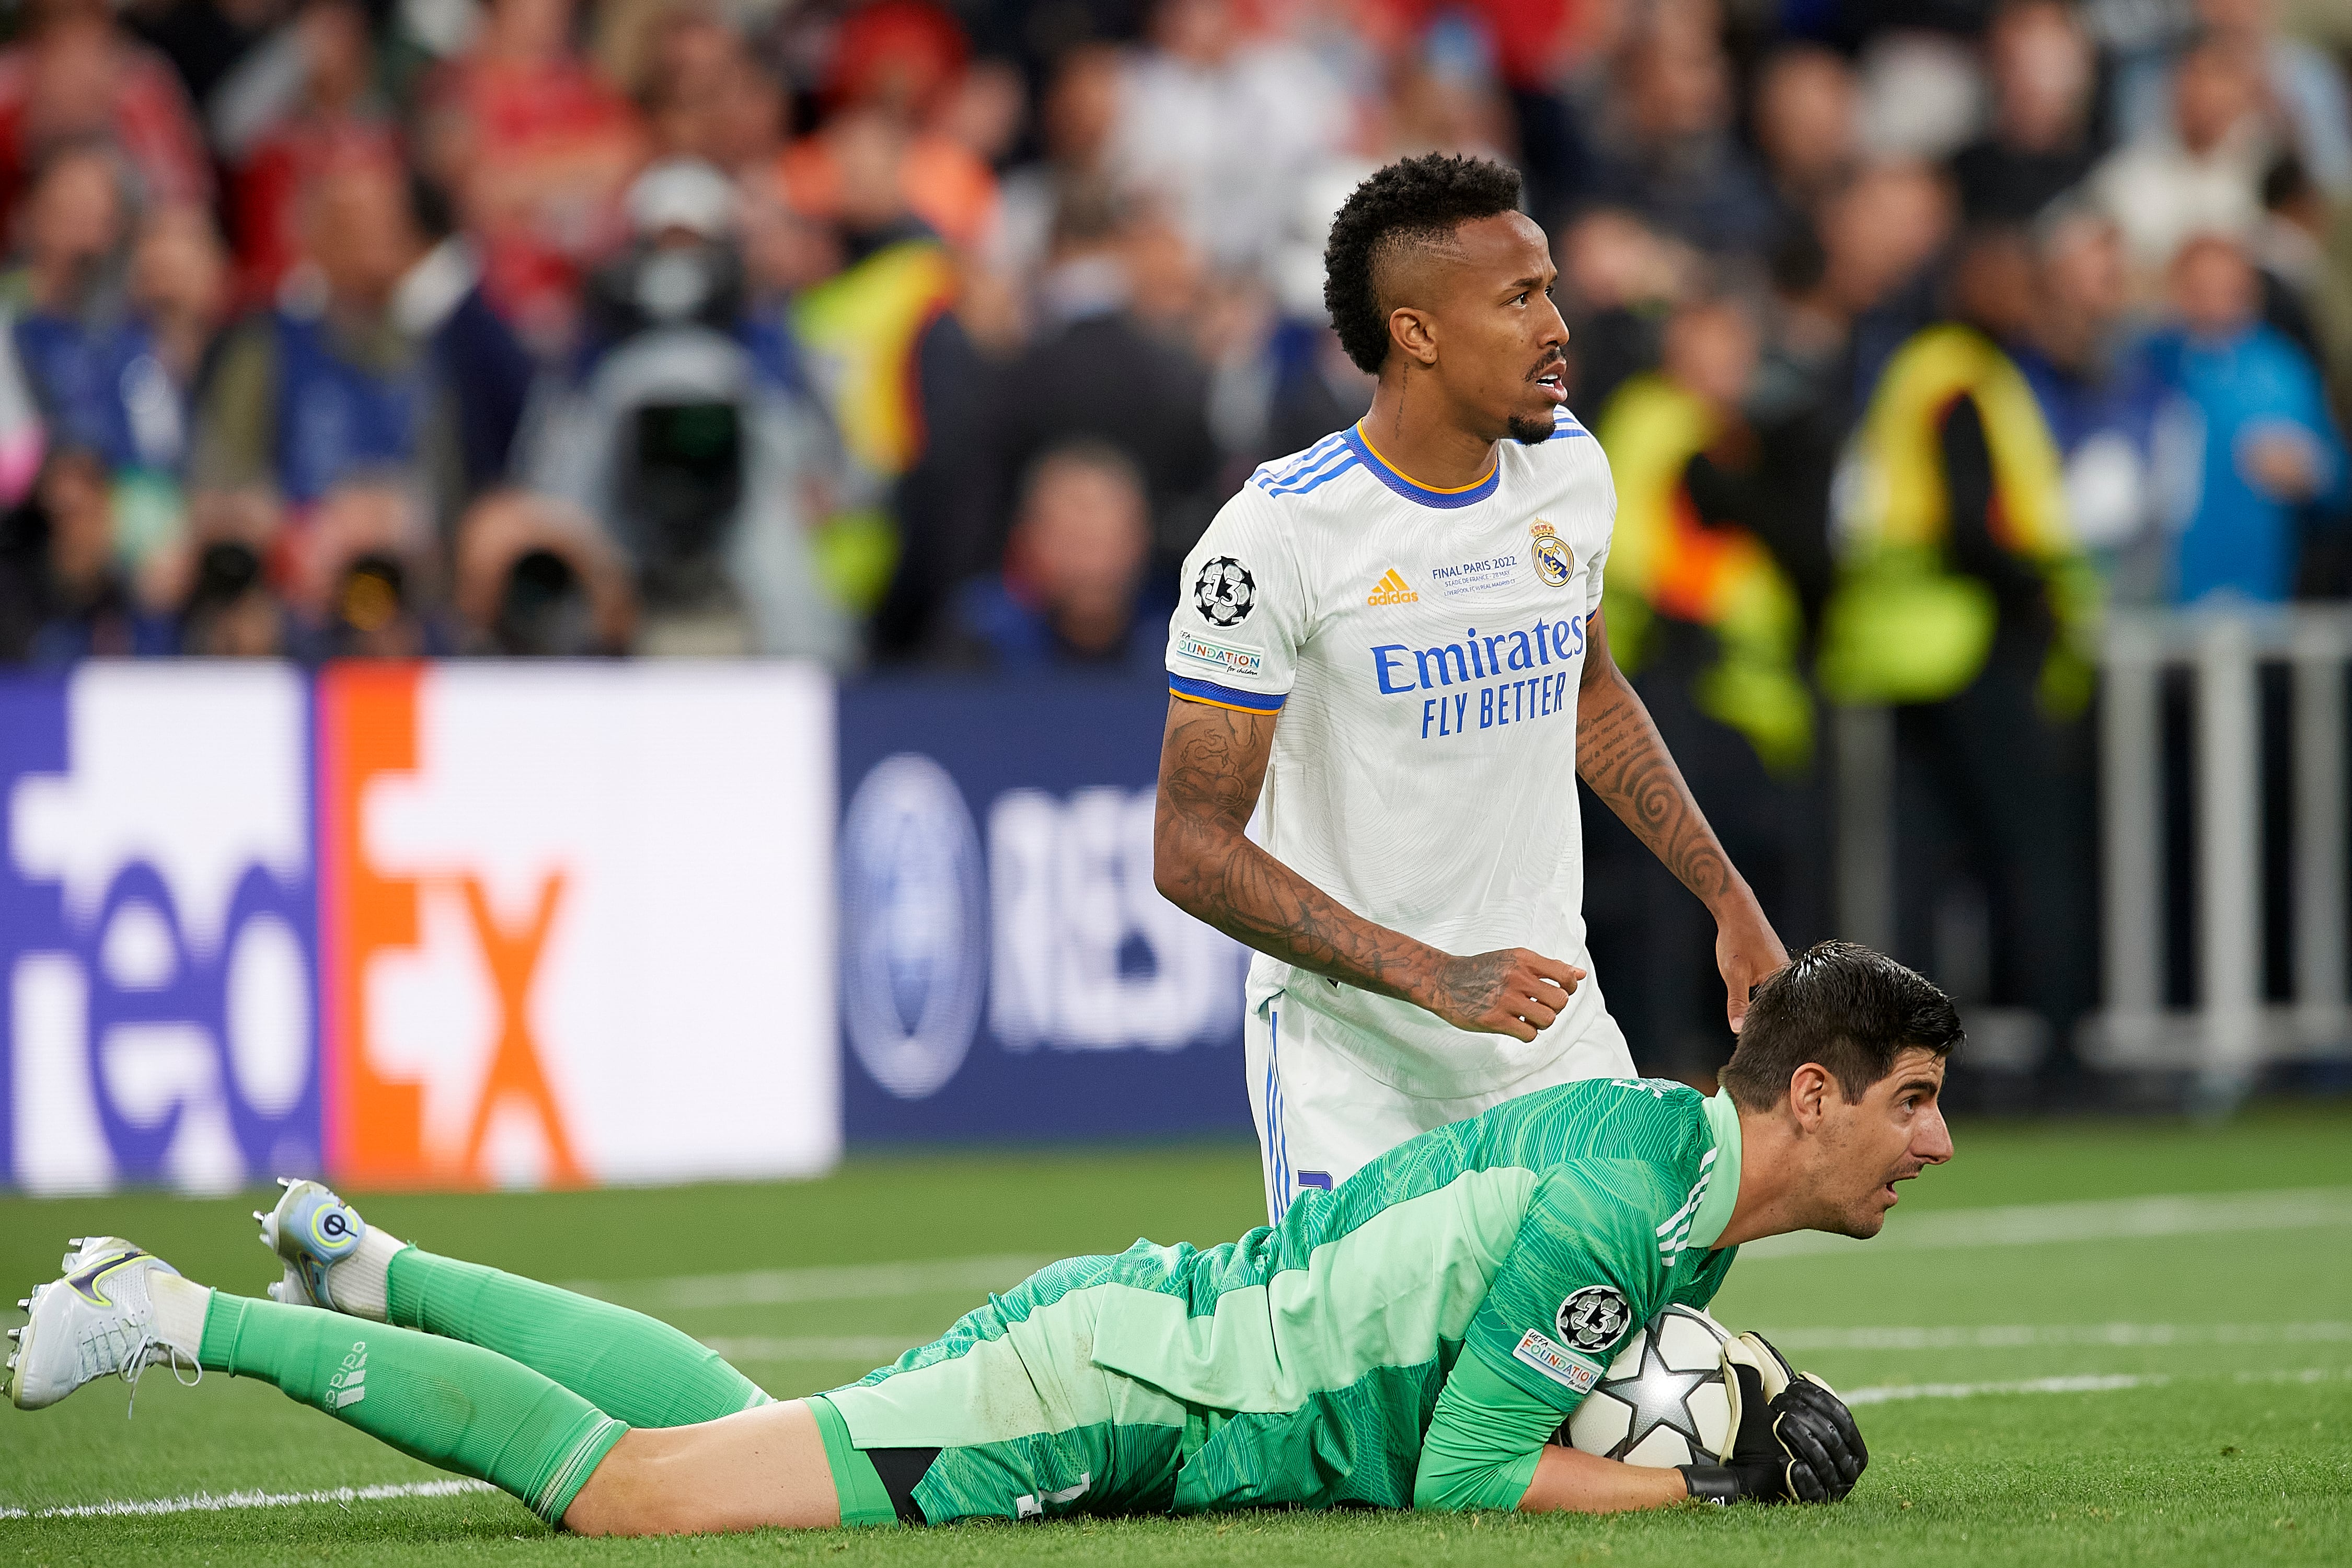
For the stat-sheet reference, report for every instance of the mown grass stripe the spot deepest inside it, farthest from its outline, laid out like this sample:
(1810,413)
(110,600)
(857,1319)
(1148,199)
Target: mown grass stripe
(2026,1336)
(834,1282)
(2110,1219)
(1888,1394)
(872,1349)
(2018,1224)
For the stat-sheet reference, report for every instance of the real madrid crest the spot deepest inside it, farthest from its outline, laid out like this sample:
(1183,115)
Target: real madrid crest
(1555,563)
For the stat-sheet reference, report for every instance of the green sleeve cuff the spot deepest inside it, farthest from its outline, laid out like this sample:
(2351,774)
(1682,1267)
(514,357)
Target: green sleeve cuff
(1483,1442)
(863,1499)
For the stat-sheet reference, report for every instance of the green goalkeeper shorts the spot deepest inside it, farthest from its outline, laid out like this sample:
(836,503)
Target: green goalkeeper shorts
(1006,1416)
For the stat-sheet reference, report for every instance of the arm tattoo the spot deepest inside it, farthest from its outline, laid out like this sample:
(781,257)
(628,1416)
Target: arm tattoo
(1469,986)
(1622,759)
(1212,763)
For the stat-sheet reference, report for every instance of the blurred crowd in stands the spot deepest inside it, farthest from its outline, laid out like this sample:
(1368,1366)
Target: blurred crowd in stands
(933,332)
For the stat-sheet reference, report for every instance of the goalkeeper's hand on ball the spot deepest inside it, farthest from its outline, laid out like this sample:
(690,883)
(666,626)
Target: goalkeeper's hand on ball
(1792,1438)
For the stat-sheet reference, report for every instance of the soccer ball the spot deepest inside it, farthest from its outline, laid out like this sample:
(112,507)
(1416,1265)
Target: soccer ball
(1662,1402)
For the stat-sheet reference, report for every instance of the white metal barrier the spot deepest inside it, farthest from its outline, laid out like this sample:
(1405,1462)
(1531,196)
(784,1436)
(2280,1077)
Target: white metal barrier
(2233,1030)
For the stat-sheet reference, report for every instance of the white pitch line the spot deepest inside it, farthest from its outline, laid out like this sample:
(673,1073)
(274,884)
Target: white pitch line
(2094,1384)
(218,1502)
(2025,1336)
(2111,1219)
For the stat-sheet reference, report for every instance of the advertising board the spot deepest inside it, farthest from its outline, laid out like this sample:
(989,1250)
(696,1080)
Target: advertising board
(416,925)
(1009,971)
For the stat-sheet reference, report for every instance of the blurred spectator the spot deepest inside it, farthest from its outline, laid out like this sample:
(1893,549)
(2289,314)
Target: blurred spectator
(684,447)
(76,76)
(388,356)
(230,612)
(219,580)
(899,72)
(1080,109)
(1067,594)
(2289,247)
(1292,384)
(2264,456)
(2200,174)
(536,146)
(1850,294)
(366,576)
(1965,603)
(2303,89)
(1224,127)
(708,96)
(1705,616)
(2041,70)
(1668,153)
(180,285)
(2098,389)
(1804,126)
(536,579)
(1618,278)
(111,339)
(1097,368)
(1921,91)
(304,105)
(63,595)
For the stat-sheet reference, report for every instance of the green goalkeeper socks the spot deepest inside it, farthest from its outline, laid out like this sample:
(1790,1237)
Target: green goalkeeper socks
(637,1369)
(456,1405)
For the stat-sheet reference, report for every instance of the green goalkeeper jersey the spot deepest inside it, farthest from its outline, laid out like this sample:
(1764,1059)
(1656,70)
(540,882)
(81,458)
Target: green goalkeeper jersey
(1410,1338)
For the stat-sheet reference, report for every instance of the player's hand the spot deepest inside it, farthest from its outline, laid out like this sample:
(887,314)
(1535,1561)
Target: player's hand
(1796,1440)
(1747,952)
(1510,991)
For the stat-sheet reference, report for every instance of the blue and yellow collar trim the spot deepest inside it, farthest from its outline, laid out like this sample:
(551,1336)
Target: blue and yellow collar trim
(1412,489)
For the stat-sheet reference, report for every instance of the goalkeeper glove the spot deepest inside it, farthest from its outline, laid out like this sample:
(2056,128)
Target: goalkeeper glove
(1793,1440)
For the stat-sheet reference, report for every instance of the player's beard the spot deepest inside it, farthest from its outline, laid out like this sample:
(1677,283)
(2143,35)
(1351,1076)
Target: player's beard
(1529,430)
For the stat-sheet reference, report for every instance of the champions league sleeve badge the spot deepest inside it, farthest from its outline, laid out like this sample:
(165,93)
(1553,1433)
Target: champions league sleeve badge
(1555,563)
(1224,593)
(1592,1319)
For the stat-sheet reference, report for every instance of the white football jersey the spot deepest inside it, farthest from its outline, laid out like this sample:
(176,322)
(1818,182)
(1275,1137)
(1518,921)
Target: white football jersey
(1422,648)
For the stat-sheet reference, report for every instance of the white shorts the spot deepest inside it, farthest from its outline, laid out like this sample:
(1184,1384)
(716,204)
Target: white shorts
(1321,1118)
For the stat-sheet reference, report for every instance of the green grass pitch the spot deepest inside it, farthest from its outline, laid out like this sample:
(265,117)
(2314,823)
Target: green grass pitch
(2081,1343)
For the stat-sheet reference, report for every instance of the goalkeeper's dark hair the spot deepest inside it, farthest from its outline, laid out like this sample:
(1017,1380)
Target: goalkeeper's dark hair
(1841,1005)
(1415,201)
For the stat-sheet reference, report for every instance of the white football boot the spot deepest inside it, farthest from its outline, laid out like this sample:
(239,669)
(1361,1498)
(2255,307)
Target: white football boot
(103,1319)
(332,1259)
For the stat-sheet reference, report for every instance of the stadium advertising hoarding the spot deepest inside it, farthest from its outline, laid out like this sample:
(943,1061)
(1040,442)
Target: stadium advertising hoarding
(415,925)
(1009,971)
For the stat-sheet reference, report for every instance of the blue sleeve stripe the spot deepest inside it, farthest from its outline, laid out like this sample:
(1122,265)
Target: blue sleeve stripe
(1227,696)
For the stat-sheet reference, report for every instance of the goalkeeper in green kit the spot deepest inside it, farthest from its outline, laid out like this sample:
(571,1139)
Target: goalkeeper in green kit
(1412,1339)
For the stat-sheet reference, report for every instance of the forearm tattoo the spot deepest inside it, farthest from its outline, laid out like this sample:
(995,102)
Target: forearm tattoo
(1622,759)
(1211,765)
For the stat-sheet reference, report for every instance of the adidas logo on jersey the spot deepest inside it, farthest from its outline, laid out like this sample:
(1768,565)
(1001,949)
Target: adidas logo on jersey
(1392,590)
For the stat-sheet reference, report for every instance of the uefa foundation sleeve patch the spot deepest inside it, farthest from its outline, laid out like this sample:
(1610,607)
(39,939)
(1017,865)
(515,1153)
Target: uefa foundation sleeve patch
(1557,1362)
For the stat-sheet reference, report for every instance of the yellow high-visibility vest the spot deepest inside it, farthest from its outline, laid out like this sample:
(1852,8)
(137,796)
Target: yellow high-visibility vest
(1664,560)
(1901,626)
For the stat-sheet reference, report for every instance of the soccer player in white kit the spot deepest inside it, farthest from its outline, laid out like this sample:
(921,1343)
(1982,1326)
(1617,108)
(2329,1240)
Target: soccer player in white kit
(1390,645)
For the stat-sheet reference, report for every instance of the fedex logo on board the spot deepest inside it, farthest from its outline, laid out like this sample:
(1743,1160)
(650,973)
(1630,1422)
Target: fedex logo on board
(415,925)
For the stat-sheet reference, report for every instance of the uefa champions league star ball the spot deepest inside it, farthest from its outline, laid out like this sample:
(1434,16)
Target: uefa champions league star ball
(1661,1401)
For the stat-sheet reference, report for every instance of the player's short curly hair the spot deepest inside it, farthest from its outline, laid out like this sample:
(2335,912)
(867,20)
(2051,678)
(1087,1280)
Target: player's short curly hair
(1838,1004)
(1413,201)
